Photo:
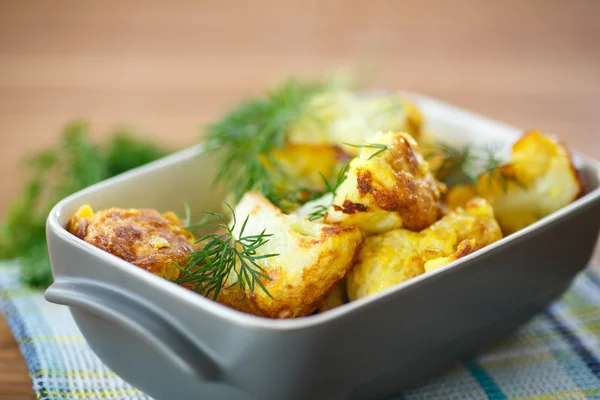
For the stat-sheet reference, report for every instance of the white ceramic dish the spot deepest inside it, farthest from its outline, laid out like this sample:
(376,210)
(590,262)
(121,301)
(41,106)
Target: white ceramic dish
(174,344)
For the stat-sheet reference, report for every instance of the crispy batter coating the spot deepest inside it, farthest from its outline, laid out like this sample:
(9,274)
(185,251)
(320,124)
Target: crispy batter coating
(142,237)
(389,258)
(312,258)
(459,195)
(542,180)
(393,189)
(339,117)
(464,248)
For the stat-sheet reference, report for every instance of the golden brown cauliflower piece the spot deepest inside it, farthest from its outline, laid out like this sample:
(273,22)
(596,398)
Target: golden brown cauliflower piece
(311,258)
(539,180)
(459,195)
(389,190)
(142,237)
(338,117)
(464,248)
(389,258)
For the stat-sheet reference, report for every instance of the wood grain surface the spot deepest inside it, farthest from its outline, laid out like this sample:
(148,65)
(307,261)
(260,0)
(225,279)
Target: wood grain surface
(166,68)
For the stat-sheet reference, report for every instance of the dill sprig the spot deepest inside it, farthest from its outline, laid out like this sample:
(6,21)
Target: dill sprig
(381,148)
(70,165)
(464,165)
(244,138)
(339,179)
(210,267)
(320,210)
(456,166)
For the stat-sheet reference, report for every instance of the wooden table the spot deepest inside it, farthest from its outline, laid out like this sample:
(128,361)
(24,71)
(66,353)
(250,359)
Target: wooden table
(168,67)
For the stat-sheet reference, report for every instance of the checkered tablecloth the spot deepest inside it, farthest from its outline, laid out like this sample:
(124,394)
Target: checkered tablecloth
(556,356)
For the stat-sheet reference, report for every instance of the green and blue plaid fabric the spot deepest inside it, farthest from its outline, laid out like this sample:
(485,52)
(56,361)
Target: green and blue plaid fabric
(555,356)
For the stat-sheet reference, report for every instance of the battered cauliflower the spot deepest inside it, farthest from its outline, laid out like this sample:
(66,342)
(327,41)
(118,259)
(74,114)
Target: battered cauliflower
(340,116)
(459,195)
(389,190)
(539,180)
(142,237)
(389,258)
(311,259)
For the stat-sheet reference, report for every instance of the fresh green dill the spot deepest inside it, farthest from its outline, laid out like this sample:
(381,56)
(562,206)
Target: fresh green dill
(320,210)
(317,213)
(381,147)
(210,267)
(339,179)
(72,164)
(187,216)
(245,137)
(464,165)
(456,166)
(495,171)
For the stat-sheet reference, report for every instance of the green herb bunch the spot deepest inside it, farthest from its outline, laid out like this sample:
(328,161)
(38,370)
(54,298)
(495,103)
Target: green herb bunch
(71,165)
(245,137)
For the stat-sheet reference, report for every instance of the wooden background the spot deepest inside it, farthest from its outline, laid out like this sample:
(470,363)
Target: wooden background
(166,67)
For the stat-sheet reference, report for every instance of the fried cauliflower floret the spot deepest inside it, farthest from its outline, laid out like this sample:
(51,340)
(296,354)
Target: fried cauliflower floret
(464,248)
(392,257)
(539,179)
(143,237)
(311,259)
(339,117)
(389,190)
(459,195)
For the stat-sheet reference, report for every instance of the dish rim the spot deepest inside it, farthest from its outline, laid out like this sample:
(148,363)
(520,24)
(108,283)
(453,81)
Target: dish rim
(247,320)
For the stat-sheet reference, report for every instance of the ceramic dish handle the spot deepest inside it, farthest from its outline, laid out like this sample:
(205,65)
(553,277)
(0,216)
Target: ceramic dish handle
(139,319)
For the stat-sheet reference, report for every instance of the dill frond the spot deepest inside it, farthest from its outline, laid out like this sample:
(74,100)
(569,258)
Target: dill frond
(381,148)
(455,165)
(222,254)
(71,165)
(320,210)
(464,165)
(244,138)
